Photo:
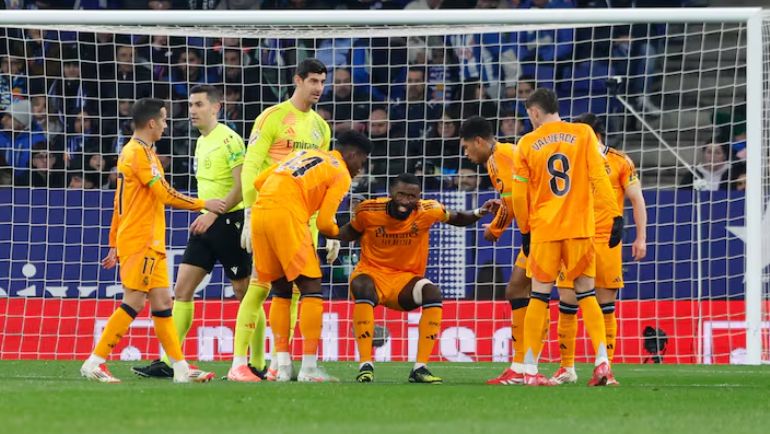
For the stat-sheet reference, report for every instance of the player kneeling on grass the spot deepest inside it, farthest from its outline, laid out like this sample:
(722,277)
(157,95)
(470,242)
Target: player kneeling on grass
(306,182)
(393,233)
(137,241)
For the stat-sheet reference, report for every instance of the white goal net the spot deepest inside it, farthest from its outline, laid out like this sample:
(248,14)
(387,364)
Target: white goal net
(676,95)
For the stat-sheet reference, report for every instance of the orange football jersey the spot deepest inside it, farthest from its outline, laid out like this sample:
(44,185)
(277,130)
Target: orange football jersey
(564,172)
(391,244)
(622,173)
(138,218)
(305,182)
(500,170)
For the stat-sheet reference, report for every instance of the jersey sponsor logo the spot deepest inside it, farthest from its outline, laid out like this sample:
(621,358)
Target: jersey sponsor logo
(397,239)
(295,144)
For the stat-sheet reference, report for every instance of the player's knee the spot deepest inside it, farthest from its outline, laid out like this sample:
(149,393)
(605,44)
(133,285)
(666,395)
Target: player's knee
(519,286)
(281,291)
(239,287)
(362,289)
(608,308)
(426,294)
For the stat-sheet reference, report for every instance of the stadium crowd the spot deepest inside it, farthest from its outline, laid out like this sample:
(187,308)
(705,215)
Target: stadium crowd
(66,97)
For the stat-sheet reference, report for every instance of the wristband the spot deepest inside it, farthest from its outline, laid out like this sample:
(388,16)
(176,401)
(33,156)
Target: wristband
(477,212)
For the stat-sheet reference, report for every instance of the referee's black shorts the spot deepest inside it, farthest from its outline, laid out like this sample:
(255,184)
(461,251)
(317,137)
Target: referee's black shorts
(222,242)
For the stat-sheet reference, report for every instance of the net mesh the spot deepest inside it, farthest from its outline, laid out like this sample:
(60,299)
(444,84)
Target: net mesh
(672,97)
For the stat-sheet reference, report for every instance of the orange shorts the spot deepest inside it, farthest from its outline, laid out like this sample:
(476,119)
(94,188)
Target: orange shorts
(388,284)
(609,267)
(574,257)
(283,246)
(521,260)
(144,271)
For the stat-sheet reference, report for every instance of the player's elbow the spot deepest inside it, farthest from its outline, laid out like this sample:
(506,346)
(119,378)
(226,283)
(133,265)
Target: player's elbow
(328,228)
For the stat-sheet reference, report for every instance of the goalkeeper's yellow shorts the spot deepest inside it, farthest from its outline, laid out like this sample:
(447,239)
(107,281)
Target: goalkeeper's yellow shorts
(609,267)
(387,283)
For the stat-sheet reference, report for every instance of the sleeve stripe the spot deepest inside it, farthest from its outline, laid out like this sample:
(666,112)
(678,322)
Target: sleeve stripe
(267,114)
(520,178)
(153,180)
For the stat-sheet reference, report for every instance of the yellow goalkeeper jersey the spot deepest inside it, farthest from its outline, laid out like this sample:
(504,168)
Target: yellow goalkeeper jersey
(277,132)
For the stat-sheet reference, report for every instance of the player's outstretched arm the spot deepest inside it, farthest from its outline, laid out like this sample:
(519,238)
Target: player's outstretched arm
(327,224)
(467,218)
(635,196)
(348,233)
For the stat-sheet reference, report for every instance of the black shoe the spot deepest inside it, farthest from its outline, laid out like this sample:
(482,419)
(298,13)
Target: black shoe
(156,369)
(423,375)
(365,373)
(261,374)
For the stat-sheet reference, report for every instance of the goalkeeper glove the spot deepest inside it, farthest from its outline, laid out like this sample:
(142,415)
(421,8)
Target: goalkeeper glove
(246,231)
(525,243)
(332,250)
(616,234)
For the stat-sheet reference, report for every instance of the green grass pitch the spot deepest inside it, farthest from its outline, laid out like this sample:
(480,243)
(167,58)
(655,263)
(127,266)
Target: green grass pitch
(50,397)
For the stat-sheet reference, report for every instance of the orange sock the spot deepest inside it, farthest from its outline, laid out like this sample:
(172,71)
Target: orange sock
(363,328)
(611,328)
(593,321)
(518,311)
(429,328)
(567,331)
(116,327)
(310,318)
(165,330)
(533,327)
(279,323)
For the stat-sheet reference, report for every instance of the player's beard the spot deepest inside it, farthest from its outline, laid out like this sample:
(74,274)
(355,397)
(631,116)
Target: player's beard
(394,212)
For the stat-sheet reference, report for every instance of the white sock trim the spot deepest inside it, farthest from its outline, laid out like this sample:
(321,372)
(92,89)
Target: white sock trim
(283,359)
(418,365)
(240,361)
(309,361)
(517,367)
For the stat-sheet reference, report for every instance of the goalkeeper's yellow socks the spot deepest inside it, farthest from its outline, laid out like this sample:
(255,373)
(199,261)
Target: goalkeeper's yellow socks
(593,320)
(294,310)
(610,327)
(183,313)
(363,328)
(167,335)
(310,319)
(247,321)
(537,312)
(518,311)
(116,327)
(279,323)
(429,328)
(567,331)
(257,294)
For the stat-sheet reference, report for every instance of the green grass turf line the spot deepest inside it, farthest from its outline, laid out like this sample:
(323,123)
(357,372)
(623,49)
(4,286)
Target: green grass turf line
(50,397)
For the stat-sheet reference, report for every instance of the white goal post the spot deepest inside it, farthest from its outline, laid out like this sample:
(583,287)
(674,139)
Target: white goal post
(334,23)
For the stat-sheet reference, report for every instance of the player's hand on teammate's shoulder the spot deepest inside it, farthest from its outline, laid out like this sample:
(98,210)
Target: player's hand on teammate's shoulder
(111,259)
(217,206)
(203,223)
(490,207)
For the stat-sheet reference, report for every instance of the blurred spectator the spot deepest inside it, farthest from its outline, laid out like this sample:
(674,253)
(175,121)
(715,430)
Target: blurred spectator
(738,181)
(442,145)
(424,4)
(233,109)
(548,45)
(160,57)
(432,179)
(13,82)
(476,102)
(415,111)
(510,127)
(714,169)
(81,138)
(443,73)
(349,107)
(467,179)
(48,122)
(388,158)
(160,5)
(19,134)
(738,146)
(72,93)
(47,170)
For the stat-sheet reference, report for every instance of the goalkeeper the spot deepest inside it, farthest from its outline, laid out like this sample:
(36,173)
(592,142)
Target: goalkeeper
(279,130)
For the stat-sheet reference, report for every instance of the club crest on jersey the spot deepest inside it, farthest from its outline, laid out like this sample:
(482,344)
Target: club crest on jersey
(254,136)
(154,170)
(414,229)
(316,135)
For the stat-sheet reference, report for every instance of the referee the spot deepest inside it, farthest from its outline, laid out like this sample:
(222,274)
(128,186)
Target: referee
(219,155)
